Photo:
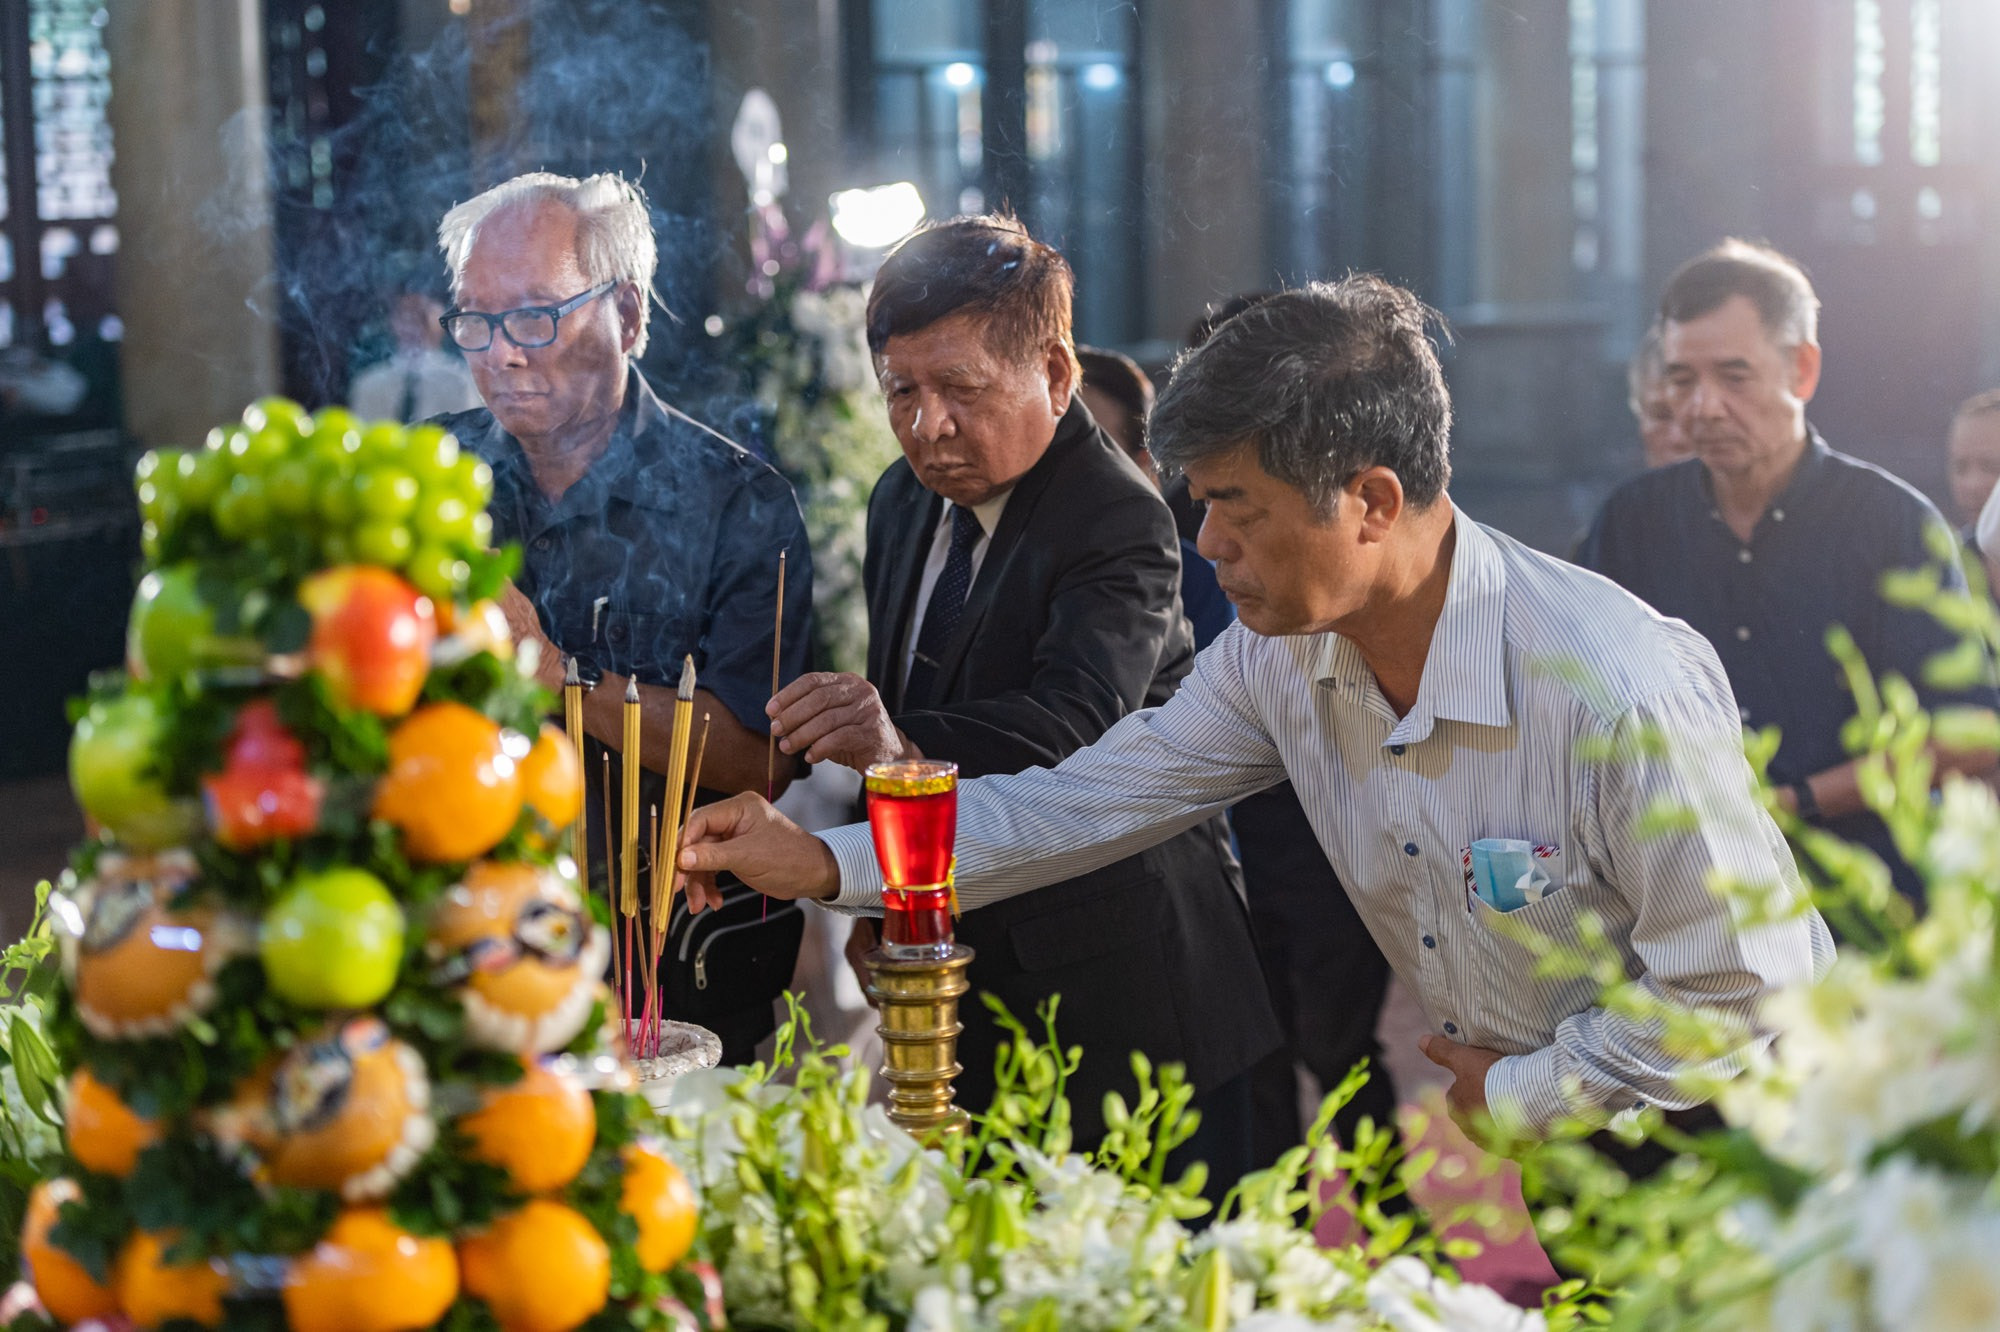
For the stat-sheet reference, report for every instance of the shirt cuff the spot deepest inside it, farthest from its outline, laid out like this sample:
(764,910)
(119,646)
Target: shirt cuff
(1524,1094)
(853,849)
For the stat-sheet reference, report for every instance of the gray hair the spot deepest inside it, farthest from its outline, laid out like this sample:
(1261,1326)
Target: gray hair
(1646,368)
(1773,282)
(614,230)
(1327,380)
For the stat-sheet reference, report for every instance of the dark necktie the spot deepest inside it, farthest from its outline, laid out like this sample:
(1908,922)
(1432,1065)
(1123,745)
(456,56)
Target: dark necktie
(408,412)
(942,612)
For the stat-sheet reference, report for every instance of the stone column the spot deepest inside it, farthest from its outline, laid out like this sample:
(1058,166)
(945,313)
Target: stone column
(1525,225)
(792,50)
(1205,137)
(1707,126)
(195,263)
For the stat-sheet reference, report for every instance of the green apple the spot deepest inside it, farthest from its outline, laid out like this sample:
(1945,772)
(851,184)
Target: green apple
(111,758)
(334,940)
(172,630)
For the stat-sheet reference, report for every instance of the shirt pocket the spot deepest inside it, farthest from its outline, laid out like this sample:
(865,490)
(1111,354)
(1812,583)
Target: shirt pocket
(1530,966)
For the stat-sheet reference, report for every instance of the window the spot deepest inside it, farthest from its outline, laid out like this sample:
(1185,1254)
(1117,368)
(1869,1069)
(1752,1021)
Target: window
(934,71)
(59,209)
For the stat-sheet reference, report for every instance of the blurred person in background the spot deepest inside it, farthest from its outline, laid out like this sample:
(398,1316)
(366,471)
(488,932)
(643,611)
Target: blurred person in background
(1972,453)
(1120,398)
(421,379)
(1772,537)
(1661,439)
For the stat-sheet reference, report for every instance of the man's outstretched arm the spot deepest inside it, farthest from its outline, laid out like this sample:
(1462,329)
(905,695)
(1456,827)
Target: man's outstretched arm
(1153,775)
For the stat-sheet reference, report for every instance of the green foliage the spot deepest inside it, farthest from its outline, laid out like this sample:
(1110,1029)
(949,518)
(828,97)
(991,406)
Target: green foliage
(30,1073)
(819,1214)
(1865,1094)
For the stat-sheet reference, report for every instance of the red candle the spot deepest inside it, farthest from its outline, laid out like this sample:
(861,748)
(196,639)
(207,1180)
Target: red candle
(913,812)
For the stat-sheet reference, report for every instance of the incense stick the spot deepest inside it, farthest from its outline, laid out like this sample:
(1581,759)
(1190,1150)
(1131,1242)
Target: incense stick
(573,723)
(621,971)
(628,827)
(676,774)
(777,659)
(674,864)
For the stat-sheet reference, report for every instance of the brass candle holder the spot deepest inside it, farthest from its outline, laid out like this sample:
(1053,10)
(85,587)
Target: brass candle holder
(918,1001)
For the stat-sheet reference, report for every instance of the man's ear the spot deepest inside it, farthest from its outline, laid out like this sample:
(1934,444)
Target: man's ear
(1061,363)
(631,304)
(1805,370)
(1380,493)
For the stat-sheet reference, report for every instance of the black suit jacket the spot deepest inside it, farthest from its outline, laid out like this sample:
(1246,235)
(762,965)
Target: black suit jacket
(1073,622)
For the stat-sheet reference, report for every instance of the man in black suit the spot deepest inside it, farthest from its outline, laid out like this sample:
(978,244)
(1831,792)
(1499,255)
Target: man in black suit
(1023,596)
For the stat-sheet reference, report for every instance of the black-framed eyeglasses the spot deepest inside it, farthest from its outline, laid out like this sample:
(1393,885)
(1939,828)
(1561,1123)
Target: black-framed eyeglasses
(529,326)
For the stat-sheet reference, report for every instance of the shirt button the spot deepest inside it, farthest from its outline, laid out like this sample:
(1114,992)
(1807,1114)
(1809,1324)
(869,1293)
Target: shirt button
(1451,1029)
(543,543)
(1743,556)
(1430,942)
(617,633)
(1742,633)
(1778,515)
(1409,848)
(1396,750)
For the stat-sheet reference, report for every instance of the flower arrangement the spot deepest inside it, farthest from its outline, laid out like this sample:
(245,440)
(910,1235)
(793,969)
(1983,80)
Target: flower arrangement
(1854,1186)
(820,1213)
(803,347)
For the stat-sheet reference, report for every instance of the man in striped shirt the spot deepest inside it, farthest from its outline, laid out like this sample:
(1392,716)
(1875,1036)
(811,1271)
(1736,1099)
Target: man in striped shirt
(1425,683)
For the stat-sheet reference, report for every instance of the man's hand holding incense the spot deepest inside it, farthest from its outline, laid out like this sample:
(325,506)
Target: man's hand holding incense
(831,716)
(760,846)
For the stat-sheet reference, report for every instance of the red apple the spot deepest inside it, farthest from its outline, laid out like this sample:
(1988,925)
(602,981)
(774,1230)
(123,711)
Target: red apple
(371,639)
(260,740)
(248,807)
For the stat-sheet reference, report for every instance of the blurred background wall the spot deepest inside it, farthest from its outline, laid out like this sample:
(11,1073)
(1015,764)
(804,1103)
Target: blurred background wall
(205,200)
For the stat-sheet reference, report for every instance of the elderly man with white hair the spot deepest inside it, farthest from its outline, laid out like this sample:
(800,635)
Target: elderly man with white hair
(645,536)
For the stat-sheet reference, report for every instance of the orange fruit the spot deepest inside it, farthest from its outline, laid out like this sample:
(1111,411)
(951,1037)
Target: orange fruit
(658,1196)
(540,1269)
(454,783)
(369,1275)
(533,954)
(152,1291)
(551,778)
(104,1134)
(539,1130)
(64,1286)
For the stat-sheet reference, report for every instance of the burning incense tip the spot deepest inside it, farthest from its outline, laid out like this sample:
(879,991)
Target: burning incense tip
(632,691)
(685,693)
(571,677)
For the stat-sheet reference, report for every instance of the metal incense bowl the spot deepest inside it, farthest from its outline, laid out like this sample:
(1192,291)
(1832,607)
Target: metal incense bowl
(918,1001)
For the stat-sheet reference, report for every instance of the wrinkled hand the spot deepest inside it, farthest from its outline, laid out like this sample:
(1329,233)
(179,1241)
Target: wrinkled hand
(524,626)
(831,716)
(861,941)
(1468,1064)
(762,847)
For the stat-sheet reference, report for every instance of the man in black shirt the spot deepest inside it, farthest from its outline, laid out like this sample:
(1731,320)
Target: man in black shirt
(1767,537)
(644,536)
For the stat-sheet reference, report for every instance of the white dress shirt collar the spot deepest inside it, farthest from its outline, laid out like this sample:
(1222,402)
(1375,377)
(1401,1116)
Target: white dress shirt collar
(1465,671)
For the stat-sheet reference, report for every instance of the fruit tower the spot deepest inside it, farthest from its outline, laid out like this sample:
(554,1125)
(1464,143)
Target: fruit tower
(334,1023)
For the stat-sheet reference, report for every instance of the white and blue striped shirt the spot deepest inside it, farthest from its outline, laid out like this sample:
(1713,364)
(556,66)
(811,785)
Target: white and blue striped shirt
(1554,708)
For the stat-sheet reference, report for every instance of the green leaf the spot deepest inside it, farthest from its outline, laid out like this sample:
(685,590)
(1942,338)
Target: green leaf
(35,1068)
